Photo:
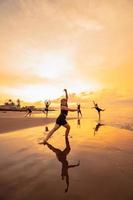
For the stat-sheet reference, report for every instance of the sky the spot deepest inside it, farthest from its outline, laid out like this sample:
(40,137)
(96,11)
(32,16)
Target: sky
(48,45)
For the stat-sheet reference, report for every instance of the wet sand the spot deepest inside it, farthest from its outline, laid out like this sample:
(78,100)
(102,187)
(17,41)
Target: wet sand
(32,171)
(12,124)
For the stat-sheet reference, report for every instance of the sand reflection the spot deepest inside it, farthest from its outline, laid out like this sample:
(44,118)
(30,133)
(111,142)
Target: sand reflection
(62,157)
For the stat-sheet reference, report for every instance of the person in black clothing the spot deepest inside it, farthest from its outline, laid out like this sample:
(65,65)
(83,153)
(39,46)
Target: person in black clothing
(28,112)
(46,109)
(98,109)
(79,110)
(62,157)
(61,120)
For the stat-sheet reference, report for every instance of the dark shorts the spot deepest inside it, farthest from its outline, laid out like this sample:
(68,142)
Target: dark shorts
(99,110)
(61,120)
(46,109)
(29,111)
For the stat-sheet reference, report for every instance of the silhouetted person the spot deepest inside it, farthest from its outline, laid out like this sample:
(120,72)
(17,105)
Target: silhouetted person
(46,109)
(62,157)
(79,110)
(98,109)
(61,120)
(18,103)
(28,112)
(96,129)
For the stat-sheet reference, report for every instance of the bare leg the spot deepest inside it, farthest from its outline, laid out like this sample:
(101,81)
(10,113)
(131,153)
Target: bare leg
(99,114)
(26,114)
(50,133)
(67,126)
(80,113)
(68,148)
(43,111)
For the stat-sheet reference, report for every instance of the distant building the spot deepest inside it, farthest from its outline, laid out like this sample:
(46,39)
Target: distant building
(10,105)
(7,106)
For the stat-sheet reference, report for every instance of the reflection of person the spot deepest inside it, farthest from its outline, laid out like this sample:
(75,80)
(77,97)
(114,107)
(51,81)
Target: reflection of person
(61,120)
(46,128)
(78,122)
(98,125)
(46,109)
(62,157)
(79,110)
(98,109)
(28,112)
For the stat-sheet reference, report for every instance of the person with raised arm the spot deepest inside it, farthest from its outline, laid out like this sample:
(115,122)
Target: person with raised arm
(61,120)
(46,110)
(98,109)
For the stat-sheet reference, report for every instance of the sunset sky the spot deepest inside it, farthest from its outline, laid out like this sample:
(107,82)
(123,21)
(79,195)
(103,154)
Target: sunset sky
(48,45)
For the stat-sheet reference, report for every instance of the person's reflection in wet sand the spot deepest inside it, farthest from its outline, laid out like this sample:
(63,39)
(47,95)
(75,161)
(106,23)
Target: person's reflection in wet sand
(62,157)
(78,123)
(97,127)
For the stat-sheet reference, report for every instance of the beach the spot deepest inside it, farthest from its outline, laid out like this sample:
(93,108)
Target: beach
(103,155)
(13,121)
(66,100)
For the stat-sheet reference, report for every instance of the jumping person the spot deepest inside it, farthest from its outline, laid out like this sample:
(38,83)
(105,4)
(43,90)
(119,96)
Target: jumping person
(28,112)
(62,157)
(98,109)
(61,120)
(79,110)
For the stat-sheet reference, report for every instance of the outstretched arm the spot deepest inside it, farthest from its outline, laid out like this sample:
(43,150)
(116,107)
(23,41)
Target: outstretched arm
(49,103)
(92,107)
(66,93)
(69,109)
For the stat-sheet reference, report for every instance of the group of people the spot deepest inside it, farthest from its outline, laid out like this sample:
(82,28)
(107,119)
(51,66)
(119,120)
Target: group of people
(45,111)
(61,119)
